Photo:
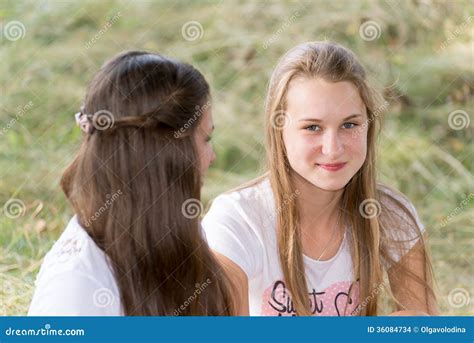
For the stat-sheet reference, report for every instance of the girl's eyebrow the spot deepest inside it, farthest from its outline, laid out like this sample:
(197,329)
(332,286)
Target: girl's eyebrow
(352,116)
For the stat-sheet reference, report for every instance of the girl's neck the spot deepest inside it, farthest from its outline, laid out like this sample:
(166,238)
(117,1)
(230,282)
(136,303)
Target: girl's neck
(318,208)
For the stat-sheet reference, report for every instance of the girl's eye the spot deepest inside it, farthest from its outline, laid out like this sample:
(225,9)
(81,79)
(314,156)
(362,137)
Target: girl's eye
(349,125)
(313,128)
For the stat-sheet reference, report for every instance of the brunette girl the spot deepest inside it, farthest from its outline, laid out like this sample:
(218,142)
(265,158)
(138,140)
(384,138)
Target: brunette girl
(135,245)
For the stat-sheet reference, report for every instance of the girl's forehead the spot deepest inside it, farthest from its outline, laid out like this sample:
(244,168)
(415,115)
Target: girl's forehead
(321,98)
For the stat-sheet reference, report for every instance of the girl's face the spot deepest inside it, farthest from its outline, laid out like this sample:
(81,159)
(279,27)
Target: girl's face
(202,138)
(325,136)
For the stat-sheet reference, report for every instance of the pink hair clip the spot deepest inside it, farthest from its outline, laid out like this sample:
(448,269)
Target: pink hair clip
(82,120)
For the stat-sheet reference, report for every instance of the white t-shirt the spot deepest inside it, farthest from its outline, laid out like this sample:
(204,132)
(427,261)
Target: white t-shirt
(75,279)
(241,225)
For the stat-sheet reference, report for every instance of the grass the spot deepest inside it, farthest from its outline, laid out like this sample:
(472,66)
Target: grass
(425,52)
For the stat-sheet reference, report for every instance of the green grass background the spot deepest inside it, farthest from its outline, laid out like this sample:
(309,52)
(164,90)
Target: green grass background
(425,52)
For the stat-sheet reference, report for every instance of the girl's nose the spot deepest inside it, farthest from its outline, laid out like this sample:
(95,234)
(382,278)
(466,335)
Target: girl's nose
(332,144)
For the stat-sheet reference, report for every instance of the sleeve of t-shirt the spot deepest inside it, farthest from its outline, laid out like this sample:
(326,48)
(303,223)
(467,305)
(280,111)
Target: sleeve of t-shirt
(404,230)
(72,293)
(230,232)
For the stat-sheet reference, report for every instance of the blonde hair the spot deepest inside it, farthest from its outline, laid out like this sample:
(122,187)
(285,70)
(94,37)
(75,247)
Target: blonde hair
(370,237)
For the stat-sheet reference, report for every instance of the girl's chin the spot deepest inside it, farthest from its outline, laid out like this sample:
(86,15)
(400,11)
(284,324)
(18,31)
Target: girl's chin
(325,183)
(330,185)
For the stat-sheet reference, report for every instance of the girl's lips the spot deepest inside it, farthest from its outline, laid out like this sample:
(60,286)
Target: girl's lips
(332,167)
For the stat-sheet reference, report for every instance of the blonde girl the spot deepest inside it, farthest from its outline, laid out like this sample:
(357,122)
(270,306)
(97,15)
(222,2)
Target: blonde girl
(317,235)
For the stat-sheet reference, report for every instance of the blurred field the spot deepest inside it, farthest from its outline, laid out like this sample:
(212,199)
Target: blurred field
(425,53)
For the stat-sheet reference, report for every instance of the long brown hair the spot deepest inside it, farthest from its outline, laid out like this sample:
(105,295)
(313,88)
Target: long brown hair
(136,169)
(371,239)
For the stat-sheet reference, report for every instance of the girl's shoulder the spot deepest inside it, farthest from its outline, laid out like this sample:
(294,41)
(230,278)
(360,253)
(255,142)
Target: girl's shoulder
(392,201)
(254,196)
(75,278)
(398,216)
(237,225)
(76,252)
(390,193)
